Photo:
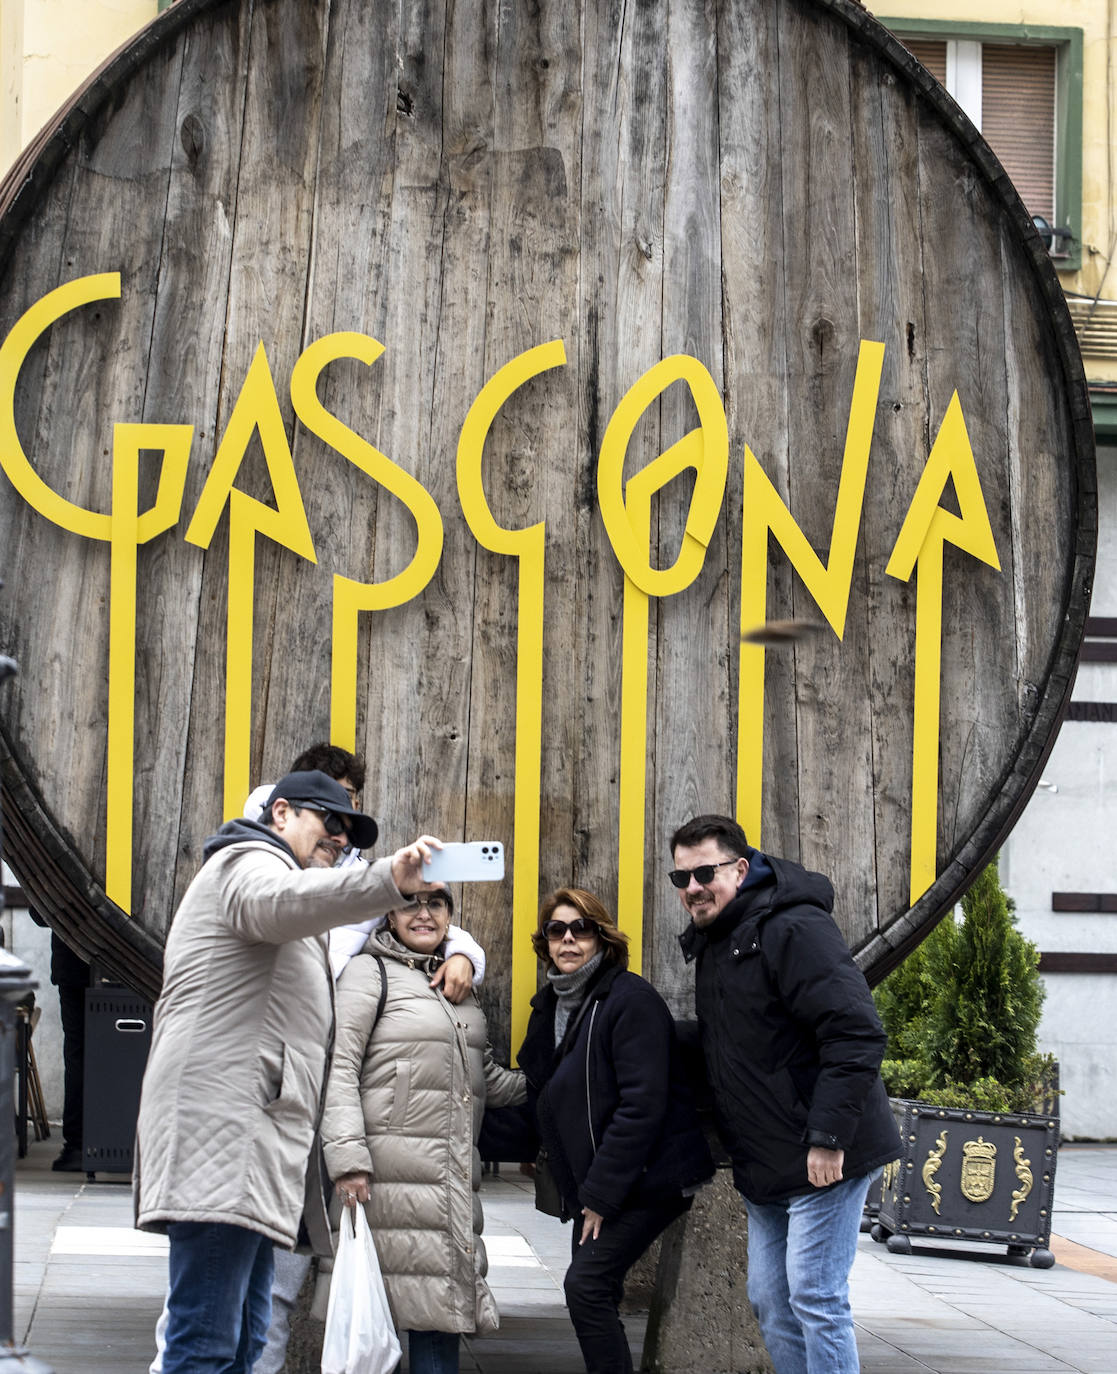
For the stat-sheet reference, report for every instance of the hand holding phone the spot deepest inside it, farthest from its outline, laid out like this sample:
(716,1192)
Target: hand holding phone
(477,861)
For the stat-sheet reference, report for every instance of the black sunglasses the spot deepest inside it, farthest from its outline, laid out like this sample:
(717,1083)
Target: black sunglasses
(330,819)
(555,930)
(680,877)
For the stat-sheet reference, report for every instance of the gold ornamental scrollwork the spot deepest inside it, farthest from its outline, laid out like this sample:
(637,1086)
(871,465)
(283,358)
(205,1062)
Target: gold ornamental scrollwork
(1024,1174)
(931,1165)
(979,1166)
(889,1176)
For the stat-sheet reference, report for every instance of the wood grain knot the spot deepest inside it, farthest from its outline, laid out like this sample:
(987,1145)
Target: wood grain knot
(192,135)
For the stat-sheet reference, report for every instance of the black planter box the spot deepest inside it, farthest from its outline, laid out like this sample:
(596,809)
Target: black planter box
(117,1040)
(970,1175)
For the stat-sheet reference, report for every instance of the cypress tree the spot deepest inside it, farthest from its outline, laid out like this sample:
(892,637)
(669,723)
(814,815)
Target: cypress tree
(962,1011)
(907,997)
(984,1020)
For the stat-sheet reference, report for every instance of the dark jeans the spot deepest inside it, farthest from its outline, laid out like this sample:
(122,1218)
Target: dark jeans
(219,1303)
(595,1281)
(433,1352)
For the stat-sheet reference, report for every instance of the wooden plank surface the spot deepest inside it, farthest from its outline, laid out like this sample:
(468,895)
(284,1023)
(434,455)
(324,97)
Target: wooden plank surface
(183,382)
(527,475)
(533,268)
(890,251)
(461,131)
(755,184)
(978,647)
(347,244)
(755,342)
(95,376)
(688,771)
(620,300)
(413,698)
(264,303)
(834,736)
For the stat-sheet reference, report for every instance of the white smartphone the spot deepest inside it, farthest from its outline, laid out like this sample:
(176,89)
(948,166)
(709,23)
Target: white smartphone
(477,861)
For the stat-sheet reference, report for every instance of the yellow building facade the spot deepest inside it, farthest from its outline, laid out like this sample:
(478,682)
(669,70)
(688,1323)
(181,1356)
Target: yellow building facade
(47,49)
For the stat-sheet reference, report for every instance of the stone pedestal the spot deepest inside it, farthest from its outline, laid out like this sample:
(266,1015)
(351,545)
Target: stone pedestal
(700,1317)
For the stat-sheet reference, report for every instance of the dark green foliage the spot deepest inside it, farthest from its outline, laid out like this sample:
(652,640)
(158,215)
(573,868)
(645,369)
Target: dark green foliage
(984,1094)
(907,997)
(904,1077)
(984,1026)
(962,1011)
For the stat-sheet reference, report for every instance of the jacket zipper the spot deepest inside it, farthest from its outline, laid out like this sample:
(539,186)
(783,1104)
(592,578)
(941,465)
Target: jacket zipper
(589,1104)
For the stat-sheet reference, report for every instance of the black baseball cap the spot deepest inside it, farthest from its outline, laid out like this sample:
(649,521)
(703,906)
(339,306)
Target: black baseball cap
(316,788)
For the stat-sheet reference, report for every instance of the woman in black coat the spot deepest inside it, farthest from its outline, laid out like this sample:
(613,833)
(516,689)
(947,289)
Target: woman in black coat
(614,1115)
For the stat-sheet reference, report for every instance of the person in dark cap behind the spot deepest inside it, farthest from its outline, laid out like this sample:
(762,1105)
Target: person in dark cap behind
(232,1088)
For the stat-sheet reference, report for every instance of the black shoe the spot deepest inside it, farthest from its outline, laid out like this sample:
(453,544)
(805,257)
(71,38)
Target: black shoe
(69,1161)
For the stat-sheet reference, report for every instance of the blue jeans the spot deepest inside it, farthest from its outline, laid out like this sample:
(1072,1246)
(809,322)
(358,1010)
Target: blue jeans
(290,1275)
(800,1255)
(432,1352)
(219,1303)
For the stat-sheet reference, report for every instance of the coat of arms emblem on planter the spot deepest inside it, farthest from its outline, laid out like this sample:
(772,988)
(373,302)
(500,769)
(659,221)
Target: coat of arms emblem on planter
(979,1163)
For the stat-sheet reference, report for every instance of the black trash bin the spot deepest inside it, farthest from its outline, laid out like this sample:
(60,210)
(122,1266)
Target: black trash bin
(117,1041)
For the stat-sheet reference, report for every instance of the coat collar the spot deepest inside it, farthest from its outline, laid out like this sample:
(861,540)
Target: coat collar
(602,980)
(538,1055)
(381,941)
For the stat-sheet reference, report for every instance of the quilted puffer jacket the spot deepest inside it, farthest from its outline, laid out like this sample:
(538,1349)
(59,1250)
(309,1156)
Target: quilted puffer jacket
(231,1094)
(404,1102)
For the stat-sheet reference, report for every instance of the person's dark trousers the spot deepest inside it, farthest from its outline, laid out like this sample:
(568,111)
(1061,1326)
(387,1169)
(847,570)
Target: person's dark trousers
(595,1281)
(219,1303)
(433,1352)
(71,1005)
(71,975)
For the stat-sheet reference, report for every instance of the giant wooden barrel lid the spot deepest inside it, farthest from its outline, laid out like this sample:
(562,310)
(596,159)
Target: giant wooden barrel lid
(463,382)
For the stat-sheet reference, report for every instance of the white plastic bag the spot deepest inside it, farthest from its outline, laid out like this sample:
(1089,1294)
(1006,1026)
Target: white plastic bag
(360,1337)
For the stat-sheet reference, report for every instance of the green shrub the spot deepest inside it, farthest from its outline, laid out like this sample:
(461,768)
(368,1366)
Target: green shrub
(984,1024)
(983,1094)
(904,1077)
(962,1011)
(907,997)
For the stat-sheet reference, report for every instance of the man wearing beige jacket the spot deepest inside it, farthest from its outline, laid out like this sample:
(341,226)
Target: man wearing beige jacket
(234,1079)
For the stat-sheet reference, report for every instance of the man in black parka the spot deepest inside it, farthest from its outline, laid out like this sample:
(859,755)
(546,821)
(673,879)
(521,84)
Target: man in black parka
(793,1045)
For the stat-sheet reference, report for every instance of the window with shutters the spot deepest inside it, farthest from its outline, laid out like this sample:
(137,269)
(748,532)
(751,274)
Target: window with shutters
(1022,87)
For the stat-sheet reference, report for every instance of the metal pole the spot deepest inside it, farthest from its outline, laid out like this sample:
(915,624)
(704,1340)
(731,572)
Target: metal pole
(15,983)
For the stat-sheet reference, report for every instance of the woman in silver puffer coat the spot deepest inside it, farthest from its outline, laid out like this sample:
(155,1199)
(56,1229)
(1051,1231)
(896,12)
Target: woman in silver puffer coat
(407,1089)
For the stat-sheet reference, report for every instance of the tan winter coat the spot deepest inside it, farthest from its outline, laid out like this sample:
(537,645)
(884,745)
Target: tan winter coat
(232,1091)
(404,1103)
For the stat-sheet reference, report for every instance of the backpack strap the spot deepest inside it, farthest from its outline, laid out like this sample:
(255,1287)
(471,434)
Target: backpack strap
(383,987)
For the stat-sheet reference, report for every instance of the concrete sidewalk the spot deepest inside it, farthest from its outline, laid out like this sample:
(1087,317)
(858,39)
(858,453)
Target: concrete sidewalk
(88,1289)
